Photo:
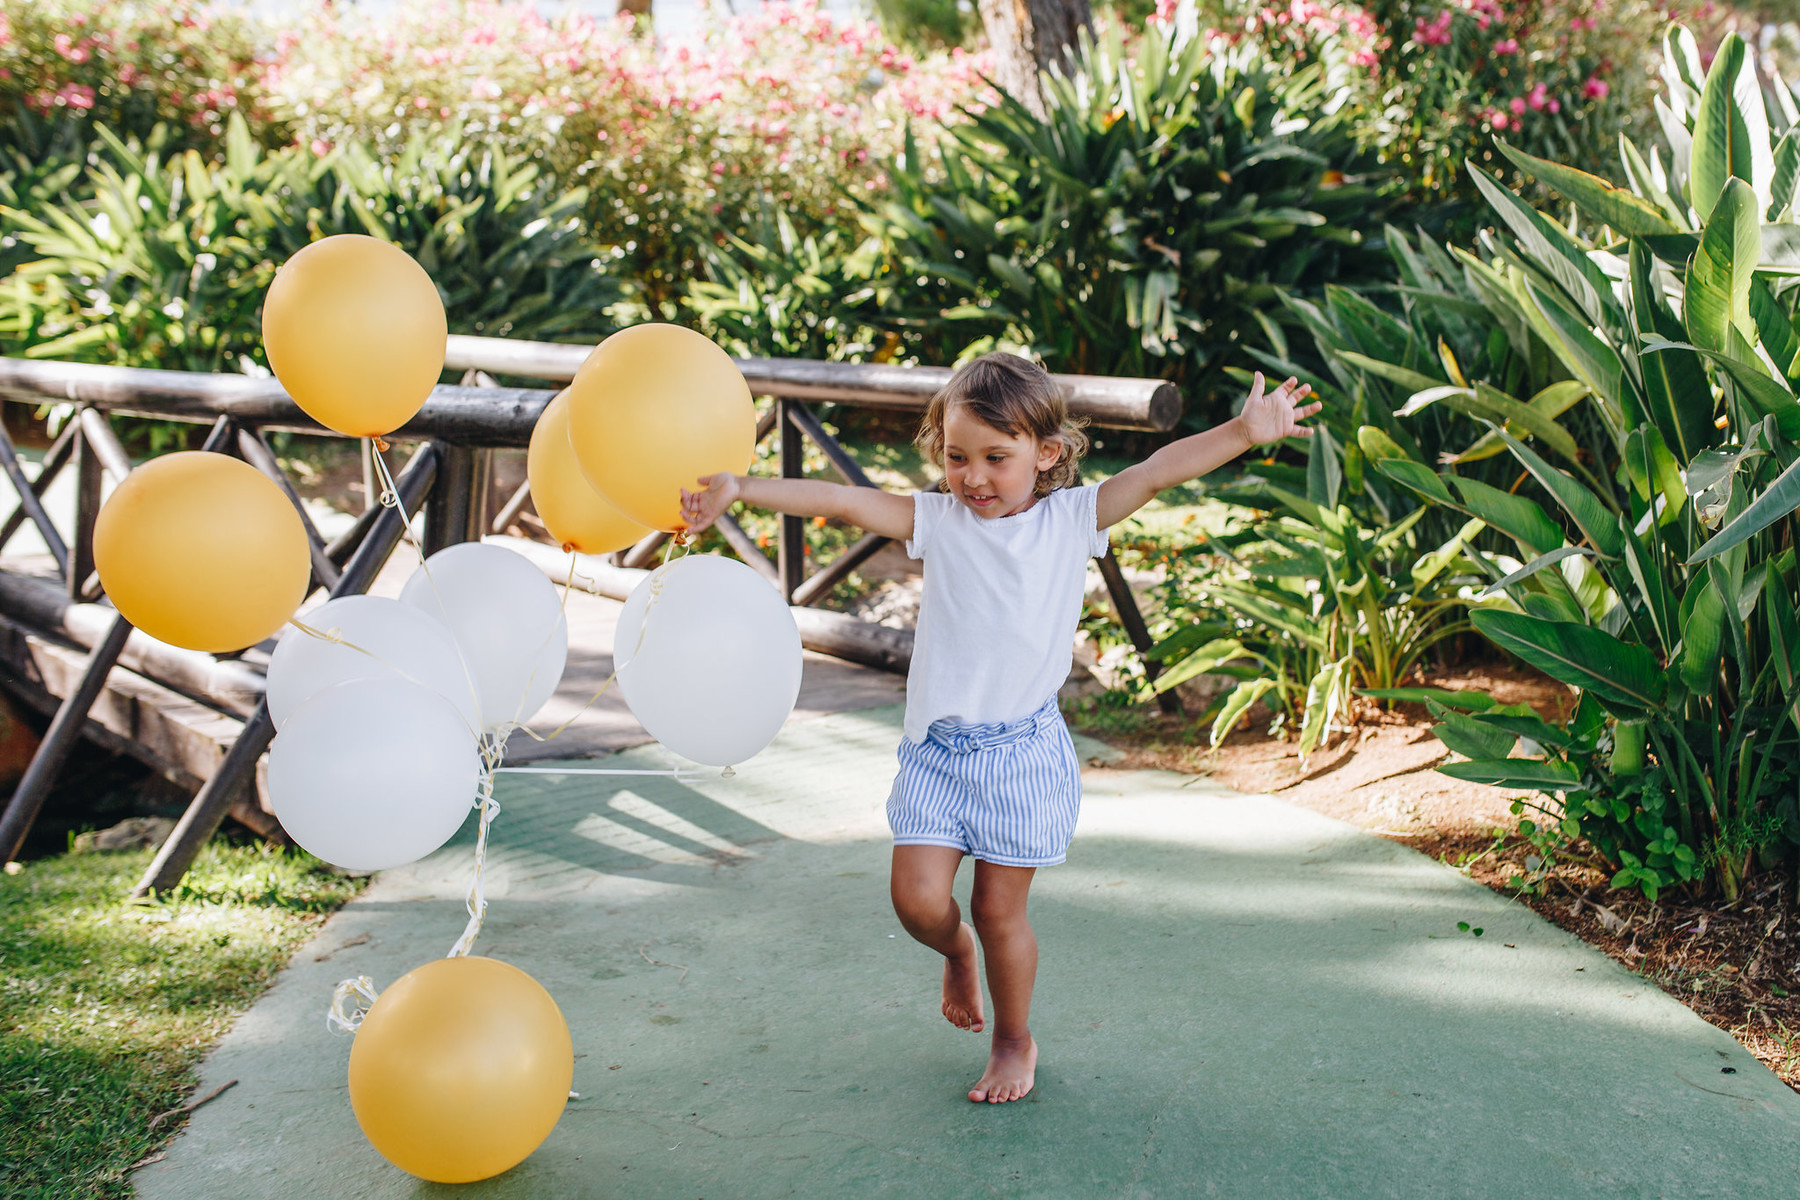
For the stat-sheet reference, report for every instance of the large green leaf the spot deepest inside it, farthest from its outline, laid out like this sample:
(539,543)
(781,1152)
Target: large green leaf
(1469,737)
(1518,517)
(1578,655)
(1652,473)
(1536,774)
(1777,501)
(1595,520)
(1324,469)
(1676,392)
(1552,251)
(1754,386)
(1219,650)
(1324,696)
(1587,356)
(1731,131)
(1550,403)
(1702,637)
(1531,568)
(1417,477)
(1717,296)
(1237,704)
(1627,214)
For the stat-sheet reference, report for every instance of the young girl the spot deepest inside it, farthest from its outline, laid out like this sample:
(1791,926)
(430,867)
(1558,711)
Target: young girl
(986,765)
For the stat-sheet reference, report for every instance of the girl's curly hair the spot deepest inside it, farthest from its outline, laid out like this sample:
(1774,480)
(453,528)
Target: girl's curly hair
(1017,397)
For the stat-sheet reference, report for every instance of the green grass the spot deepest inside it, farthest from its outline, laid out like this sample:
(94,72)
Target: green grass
(106,1007)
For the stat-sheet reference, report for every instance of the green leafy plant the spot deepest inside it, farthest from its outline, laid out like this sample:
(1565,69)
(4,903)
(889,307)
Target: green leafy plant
(1142,226)
(167,263)
(1307,605)
(1656,567)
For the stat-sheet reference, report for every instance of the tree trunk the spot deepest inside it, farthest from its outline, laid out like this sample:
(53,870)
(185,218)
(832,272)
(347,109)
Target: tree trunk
(1031,36)
(637,8)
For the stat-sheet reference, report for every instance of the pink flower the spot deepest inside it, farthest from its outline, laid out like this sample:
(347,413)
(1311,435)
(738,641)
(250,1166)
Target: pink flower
(321,147)
(76,95)
(1508,46)
(1555,105)
(1517,105)
(1499,120)
(65,46)
(1535,97)
(1595,88)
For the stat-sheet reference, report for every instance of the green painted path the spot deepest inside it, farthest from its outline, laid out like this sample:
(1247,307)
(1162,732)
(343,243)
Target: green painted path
(1237,998)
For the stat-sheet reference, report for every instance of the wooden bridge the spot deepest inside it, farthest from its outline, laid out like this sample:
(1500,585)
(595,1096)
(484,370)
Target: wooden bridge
(200,720)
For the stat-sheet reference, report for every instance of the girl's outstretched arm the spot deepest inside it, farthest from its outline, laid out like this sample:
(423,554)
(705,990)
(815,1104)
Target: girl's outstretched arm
(867,508)
(1265,418)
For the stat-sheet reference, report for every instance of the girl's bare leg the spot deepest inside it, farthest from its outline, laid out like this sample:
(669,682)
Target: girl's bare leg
(1010,949)
(922,878)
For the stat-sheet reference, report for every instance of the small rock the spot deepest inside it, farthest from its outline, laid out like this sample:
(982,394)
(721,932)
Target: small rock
(133,833)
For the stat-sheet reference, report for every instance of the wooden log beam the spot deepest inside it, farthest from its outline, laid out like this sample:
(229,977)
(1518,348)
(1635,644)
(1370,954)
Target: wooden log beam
(1108,401)
(40,604)
(179,739)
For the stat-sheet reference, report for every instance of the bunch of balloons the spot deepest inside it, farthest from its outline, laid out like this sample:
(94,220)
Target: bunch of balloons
(204,551)
(381,706)
(391,715)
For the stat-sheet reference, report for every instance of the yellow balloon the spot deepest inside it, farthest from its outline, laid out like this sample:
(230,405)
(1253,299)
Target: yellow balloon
(202,551)
(461,1069)
(652,409)
(355,332)
(575,514)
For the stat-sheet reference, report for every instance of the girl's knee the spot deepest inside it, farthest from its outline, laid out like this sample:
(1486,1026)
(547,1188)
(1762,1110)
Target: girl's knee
(923,910)
(996,913)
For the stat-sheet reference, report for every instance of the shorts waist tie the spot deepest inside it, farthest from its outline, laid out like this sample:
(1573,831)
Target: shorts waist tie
(966,737)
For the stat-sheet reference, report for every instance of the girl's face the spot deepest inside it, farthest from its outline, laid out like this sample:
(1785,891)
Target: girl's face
(993,473)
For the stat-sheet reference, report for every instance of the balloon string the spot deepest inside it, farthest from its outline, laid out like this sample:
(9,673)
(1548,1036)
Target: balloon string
(390,498)
(656,586)
(350,1003)
(492,749)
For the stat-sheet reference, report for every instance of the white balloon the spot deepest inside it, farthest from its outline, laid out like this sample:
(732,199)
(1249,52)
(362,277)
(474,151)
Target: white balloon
(373,773)
(714,670)
(402,642)
(506,618)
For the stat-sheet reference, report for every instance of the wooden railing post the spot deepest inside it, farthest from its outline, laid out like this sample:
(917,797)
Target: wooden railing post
(450,508)
(87,511)
(790,557)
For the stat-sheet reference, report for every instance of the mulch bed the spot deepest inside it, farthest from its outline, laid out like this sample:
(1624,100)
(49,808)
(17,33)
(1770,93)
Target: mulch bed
(1736,964)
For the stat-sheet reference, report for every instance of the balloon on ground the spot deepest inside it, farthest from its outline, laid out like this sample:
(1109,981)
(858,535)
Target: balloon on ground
(202,551)
(712,668)
(507,620)
(574,513)
(355,331)
(652,409)
(373,773)
(461,1069)
(379,639)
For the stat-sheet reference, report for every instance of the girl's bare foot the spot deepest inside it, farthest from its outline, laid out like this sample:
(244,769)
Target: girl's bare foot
(1011,1071)
(962,986)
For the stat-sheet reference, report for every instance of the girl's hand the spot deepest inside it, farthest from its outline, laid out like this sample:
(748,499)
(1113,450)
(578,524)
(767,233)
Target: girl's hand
(1269,418)
(702,507)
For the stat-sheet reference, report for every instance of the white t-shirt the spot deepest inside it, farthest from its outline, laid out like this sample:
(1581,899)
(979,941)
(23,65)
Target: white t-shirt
(1002,599)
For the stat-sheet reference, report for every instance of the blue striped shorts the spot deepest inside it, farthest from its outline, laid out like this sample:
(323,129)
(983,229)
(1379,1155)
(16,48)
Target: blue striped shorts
(1006,793)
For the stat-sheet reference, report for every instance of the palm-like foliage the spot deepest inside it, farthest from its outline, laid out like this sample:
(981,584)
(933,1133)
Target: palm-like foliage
(1143,225)
(1655,567)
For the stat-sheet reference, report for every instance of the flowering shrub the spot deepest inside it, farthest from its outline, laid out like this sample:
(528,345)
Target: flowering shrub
(186,63)
(784,107)
(1436,79)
